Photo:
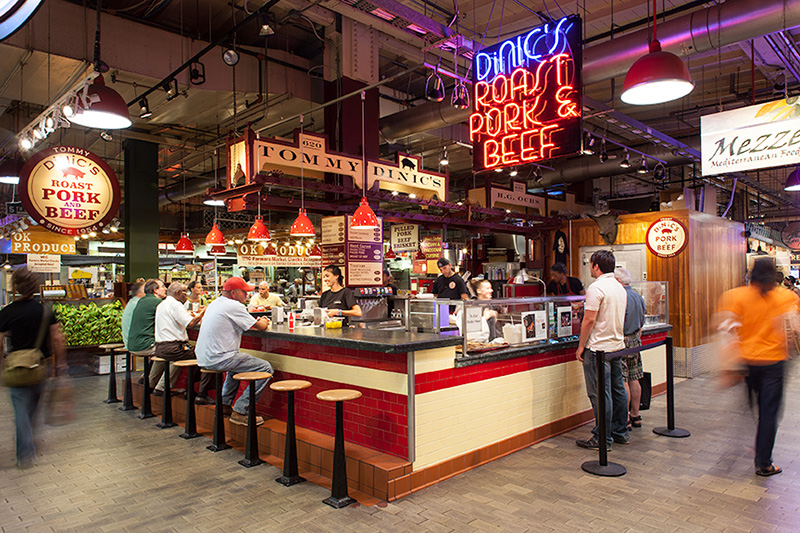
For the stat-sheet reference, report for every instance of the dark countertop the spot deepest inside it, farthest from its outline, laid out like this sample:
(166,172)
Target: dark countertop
(375,340)
(511,353)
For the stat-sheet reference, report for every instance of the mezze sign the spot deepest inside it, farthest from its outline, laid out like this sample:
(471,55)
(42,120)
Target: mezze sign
(69,190)
(748,138)
(527,104)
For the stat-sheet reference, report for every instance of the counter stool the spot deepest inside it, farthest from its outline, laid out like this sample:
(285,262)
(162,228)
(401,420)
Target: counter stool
(127,402)
(339,497)
(290,475)
(112,374)
(166,405)
(251,457)
(218,442)
(191,420)
(147,410)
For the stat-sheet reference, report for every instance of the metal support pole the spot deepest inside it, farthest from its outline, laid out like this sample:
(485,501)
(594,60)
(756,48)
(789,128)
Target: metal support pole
(166,403)
(339,497)
(112,378)
(147,410)
(602,467)
(218,441)
(251,457)
(190,431)
(127,403)
(671,430)
(290,472)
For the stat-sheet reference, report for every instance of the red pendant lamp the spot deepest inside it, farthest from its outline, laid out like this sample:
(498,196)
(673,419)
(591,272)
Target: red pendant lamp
(218,249)
(390,254)
(315,252)
(657,77)
(103,108)
(184,245)
(215,237)
(420,256)
(270,250)
(302,226)
(258,231)
(364,217)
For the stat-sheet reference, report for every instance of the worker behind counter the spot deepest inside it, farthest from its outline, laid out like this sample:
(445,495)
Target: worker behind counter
(263,300)
(563,285)
(339,300)
(449,284)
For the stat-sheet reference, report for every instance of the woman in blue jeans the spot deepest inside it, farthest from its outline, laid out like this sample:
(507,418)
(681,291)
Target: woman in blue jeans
(20,321)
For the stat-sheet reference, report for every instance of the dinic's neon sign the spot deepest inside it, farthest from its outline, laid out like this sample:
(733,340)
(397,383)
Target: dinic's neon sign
(527,97)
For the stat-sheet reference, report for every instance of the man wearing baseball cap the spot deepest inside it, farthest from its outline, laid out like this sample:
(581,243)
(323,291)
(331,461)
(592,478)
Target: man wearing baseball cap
(225,319)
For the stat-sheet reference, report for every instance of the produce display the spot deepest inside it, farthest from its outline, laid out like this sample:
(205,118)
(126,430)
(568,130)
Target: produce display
(85,325)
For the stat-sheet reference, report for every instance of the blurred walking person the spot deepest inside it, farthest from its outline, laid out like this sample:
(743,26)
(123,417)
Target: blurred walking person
(762,310)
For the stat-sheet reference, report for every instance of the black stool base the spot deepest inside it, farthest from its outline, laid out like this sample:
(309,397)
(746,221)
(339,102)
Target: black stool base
(164,425)
(677,433)
(112,400)
(338,503)
(142,416)
(127,408)
(250,463)
(188,436)
(218,447)
(289,481)
(609,470)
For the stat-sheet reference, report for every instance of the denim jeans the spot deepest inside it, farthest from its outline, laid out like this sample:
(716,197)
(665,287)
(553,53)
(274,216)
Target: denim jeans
(765,383)
(616,398)
(242,362)
(25,400)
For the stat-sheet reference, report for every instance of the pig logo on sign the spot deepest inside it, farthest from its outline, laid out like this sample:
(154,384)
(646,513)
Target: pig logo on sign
(408,163)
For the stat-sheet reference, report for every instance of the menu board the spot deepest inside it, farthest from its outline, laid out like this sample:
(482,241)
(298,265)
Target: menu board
(48,264)
(405,238)
(364,274)
(333,230)
(364,256)
(333,254)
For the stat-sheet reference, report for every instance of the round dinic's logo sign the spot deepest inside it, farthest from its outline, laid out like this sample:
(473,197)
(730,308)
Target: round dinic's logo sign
(666,237)
(791,235)
(69,190)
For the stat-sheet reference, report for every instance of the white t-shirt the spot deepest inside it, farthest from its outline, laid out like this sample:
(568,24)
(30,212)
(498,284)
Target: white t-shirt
(171,321)
(606,296)
(220,334)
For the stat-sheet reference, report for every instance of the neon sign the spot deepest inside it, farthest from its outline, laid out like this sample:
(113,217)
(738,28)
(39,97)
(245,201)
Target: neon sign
(527,97)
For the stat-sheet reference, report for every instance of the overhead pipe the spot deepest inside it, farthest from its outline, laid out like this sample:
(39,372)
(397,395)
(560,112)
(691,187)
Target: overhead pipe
(696,32)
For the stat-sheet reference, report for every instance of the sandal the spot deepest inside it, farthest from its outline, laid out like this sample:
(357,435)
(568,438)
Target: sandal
(771,470)
(636,421)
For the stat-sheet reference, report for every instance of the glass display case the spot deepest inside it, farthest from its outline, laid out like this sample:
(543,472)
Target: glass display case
(656,302)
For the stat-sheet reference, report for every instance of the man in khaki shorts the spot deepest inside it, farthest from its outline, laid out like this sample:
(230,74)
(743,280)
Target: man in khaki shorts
(632,370)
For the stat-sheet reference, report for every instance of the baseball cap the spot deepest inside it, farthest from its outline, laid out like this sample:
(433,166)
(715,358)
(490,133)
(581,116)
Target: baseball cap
(237,283)
(442,262)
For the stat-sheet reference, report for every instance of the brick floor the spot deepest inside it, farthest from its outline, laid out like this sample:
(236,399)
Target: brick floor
(109,471)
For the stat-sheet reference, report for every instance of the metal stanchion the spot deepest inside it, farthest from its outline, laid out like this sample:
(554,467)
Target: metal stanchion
(602,467)
(671,430)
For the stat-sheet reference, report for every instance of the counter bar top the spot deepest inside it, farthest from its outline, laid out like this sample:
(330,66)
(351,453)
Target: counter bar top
(375,340)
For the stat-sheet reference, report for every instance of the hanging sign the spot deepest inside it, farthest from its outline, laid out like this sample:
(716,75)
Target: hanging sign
(45,263)
(251,254)
(752,137)
(405,238)
(518,195)
(69,190)
(13,14)
(40,241)
(790,235)
(15,208)
(666,237)
(527,104)
(364,255)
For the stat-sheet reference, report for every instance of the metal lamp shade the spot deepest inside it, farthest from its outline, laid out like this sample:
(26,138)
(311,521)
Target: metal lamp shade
(390,254)
(656,78)
(258,231)
(364,217)
(217,250)
(184,245)
(302,226)
(793,181)
(215,237)
(105,109)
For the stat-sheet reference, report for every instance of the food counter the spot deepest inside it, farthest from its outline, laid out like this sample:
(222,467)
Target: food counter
(423,402)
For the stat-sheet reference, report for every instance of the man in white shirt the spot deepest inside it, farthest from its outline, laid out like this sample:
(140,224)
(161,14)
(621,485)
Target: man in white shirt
(225,319)
(172,344)
(264,299)
(602,330)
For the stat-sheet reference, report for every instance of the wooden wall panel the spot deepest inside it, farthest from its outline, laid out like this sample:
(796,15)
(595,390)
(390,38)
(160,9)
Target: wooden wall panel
(712,262)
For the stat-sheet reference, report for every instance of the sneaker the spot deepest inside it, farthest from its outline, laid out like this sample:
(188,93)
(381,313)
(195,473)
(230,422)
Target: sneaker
(622,440)
(227,410)
(241,419)
(591,444)
(204,400)
(158,392)
(178,392)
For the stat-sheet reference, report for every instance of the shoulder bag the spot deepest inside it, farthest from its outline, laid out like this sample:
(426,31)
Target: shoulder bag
(25,368)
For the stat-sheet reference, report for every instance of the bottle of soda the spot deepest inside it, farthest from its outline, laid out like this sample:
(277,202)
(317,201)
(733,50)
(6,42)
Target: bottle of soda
(291,320)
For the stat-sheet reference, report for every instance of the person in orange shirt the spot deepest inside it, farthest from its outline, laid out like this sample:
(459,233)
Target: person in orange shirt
(762,308)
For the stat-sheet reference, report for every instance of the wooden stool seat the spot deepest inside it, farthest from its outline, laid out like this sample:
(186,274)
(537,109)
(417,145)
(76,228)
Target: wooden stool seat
(157,358)
(291,475)
(251,376)
(208,371)
(112,346)
(338,395)
(290,385)
(121,349)
(185,363)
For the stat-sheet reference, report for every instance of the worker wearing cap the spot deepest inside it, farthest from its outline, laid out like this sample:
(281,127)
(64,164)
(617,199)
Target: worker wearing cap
(225,319)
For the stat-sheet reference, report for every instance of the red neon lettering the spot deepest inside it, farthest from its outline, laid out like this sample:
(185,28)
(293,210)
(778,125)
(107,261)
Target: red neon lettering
(528,150)
(499,90)
(494,122)
(511,113)
(519,84)
(481,93)
(509,154)
(546,146)
(475,126)
(490,157)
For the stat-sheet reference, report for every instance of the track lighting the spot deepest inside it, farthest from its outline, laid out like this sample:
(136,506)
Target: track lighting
(434,87)
(460,98)
(197,73)
(443,158)
(643,167)
(171,88)
(659,172)
(626,161)
(513,172)
(265,30)
(144,109)
(603,153)
(230,57)
(106,136)
(588,148)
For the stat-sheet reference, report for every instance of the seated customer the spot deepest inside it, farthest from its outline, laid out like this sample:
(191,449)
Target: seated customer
(224,321)
(172,344)
(263,299)
(195,300)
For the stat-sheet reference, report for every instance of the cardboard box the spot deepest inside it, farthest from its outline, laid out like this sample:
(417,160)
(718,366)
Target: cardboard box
(100,364)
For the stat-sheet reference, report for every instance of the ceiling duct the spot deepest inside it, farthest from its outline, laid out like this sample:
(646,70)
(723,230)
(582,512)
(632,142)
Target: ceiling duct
(699,31)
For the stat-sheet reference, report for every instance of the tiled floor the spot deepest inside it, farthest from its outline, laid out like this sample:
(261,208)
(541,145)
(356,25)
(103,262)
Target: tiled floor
(109,471)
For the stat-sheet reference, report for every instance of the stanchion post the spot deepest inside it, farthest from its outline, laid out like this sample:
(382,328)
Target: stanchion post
(602,467)
(671,430)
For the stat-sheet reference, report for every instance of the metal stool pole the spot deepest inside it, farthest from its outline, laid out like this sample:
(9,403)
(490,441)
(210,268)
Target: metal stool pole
(290,471)
(147,410)
(602,467)
(127,402)
(339,497)
(218,442)
(166,404)
(112,372)
(671,430)
(251,457)
(190,431)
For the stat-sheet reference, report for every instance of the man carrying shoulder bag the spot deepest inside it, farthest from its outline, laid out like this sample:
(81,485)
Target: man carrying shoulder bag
(29,327)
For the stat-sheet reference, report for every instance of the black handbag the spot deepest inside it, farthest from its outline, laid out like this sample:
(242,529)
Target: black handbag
(647,391)
(25,368)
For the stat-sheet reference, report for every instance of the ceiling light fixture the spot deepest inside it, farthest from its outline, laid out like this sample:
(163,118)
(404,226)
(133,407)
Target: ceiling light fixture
(106,135)
(434,87)
(657,77)
(215,236)
(265,30)
(513,172)
(197,73)
(144,109)
(171,88)
(419,255)
(302,225)
(218,249)
(626,161)
(643,167)
(603,152)
(101,107)
(793,180)
(258,231)
(364,217)
(390,254)
(460,98)
(315,252)
(588,148)
(443,157)
(230,57)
